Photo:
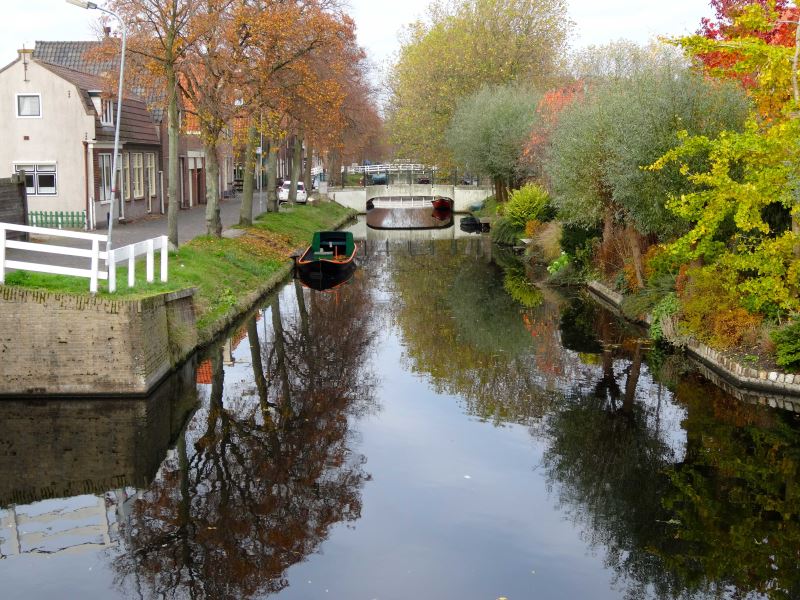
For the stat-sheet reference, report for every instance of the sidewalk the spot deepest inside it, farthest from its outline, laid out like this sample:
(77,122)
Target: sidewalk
(191,222)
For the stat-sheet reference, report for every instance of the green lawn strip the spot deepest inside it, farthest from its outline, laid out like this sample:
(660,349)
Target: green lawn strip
(222,270)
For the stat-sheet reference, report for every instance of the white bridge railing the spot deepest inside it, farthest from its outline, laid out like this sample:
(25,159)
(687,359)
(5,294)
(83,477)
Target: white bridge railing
(390,168)
(127,254)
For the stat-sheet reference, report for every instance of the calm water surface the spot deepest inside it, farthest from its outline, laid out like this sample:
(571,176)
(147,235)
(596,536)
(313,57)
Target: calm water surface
(435,428)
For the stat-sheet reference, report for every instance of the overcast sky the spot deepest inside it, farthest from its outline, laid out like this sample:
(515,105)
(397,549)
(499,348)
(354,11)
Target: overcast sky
(378,22)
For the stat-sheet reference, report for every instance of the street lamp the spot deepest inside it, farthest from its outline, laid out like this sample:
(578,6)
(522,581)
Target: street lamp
(93,6)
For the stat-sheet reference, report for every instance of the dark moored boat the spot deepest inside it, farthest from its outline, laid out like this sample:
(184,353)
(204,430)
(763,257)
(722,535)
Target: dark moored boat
(440,203)
(331,255)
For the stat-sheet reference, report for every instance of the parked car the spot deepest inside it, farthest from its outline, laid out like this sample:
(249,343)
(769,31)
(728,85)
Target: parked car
(283,192)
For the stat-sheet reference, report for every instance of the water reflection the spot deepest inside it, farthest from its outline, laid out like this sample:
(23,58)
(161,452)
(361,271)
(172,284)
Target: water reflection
(258,482)
(526,440)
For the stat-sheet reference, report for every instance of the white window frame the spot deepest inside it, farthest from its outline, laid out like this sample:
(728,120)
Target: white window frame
(150,171)
(40,167)
(137,174)
(104,161)
(107,112)
(16,105)
(126,175)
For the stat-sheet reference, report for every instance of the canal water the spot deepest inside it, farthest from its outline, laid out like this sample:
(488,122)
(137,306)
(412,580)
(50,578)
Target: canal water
(434,428)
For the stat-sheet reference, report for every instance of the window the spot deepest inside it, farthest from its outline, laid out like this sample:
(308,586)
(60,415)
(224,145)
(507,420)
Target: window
(107,112)
(29,105)
(126,175)
(150,172)
(137,167)
(104,162)
(40,179)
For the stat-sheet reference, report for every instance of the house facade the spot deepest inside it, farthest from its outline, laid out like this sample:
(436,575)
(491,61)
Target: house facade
(57,123)
(58,127)
(82,56)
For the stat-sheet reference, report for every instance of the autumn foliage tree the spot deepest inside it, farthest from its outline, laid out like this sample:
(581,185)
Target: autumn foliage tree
(464,46)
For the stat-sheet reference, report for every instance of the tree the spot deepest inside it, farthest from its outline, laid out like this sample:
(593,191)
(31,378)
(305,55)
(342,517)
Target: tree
(601,144)
(488,130)
(160,33)
(748,176)
(467,45)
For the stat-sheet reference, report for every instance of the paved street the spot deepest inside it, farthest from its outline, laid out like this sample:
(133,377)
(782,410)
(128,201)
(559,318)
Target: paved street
(191,222)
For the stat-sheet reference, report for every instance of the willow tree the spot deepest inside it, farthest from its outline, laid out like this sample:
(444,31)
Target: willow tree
(488,132)
(633,114)
(464,46)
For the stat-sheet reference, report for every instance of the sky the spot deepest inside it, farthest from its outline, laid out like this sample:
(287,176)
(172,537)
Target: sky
(378,22)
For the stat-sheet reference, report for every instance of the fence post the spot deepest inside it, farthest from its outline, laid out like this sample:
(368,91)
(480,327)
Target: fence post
(131,266)
(95,266)
(164,257)
(150,252)
(111,262)
(2,255)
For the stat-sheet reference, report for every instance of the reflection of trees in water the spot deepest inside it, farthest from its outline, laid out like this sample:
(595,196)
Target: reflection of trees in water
(723,522)
(735,499)
(461,328)
(264,482)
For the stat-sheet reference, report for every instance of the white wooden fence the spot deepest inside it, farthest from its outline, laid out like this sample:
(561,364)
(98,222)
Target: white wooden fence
(127,254)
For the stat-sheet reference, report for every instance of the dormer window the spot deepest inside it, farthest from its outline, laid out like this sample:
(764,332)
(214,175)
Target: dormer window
(29,105)
(107,112)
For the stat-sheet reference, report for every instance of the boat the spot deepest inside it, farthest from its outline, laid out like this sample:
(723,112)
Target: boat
(325,283)
(441,203)
(331,255)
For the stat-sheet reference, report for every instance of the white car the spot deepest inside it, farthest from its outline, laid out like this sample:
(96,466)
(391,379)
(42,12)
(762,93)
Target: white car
(283,192)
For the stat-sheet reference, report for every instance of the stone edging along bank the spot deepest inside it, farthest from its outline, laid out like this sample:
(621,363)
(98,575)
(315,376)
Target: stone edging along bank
(774,382)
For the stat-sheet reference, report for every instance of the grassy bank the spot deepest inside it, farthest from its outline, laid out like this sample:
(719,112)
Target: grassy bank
(229,274)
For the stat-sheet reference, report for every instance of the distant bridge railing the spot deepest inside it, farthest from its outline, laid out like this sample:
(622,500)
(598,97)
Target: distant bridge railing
(93,273)
(391,168)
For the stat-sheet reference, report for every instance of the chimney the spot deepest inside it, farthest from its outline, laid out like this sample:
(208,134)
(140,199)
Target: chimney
(107,31)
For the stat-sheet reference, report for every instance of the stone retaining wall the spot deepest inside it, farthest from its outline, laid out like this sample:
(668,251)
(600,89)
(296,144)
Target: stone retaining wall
(773,382)
(64,344)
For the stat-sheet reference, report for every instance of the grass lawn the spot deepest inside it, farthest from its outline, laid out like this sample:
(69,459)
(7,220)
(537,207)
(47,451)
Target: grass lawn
(222,270)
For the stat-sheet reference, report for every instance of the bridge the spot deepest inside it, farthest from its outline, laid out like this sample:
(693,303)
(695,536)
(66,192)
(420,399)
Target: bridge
(406,195)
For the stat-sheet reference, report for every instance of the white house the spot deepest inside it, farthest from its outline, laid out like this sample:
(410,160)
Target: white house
(57,125)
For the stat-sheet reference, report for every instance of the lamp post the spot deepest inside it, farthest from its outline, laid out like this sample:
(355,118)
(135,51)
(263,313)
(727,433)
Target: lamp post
(114,165)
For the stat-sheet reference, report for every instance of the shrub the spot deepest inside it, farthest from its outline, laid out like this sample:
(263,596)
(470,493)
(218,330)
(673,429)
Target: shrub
(574,238)
(504,232)
(526,204)
(558,264)
(787,345)
(712,310)
(666,307)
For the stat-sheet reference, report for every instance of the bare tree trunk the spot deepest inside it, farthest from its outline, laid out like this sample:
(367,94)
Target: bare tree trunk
(213,222)
(246,209)
(308,163)
(272,176)
(335,169)
(172,163)
(297,161)
(636,251)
